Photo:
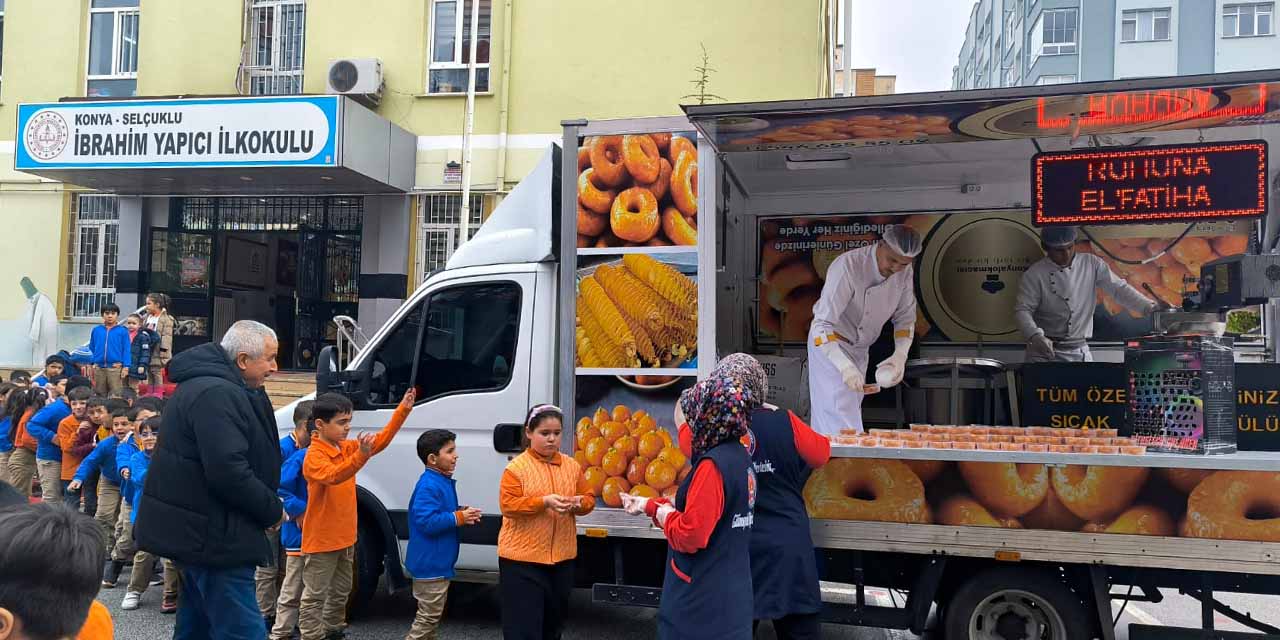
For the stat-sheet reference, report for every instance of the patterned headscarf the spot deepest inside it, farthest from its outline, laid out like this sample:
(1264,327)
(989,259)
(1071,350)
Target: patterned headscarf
(747,369)
(718,409)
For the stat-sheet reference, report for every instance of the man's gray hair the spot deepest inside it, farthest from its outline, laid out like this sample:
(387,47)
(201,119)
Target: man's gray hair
(248,337)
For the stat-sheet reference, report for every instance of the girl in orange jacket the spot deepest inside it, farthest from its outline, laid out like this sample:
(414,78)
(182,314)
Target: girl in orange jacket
(541,492)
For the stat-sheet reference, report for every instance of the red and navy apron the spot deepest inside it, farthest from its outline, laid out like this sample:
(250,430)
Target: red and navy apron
(784,571)
(707,595)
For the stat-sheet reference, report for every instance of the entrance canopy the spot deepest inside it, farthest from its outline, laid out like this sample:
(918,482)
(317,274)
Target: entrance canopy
(238,145)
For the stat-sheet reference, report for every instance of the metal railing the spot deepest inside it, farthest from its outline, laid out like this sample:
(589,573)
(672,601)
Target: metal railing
(351,339)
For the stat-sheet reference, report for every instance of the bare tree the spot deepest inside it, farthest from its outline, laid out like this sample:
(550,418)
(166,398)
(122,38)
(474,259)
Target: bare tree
(703,81)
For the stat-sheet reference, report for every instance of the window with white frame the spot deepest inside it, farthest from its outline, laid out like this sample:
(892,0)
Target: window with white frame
(1248,19)
(1065,78)
(450,46)
(276,38)
(113,48)
(1144,25)
(93,248)
(1011,21)
(438,217)
(1054,33)
(1012,74)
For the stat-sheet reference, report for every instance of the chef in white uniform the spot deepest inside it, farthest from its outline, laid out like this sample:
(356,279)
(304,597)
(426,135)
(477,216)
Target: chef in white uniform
(864,289)
(1057,296)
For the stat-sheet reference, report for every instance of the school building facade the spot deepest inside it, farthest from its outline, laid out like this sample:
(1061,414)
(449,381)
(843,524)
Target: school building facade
(221,152)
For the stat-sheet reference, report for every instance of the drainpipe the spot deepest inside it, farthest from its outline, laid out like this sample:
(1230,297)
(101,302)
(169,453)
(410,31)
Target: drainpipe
(465,217)
(504,101)
(848,47)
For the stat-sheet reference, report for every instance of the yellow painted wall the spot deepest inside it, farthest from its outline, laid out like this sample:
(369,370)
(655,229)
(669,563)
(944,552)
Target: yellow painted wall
(189,47)
(43,55)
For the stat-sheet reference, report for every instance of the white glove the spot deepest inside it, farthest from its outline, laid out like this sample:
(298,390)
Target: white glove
(849,373)
(890,371)
(1040,346)
(633,505)
(664,511)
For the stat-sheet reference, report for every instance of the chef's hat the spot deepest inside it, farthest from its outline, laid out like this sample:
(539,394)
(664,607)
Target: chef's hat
(1058,237)
(904,240)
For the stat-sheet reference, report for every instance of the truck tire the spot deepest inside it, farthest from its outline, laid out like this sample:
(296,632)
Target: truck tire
(367,570)
(1016,604)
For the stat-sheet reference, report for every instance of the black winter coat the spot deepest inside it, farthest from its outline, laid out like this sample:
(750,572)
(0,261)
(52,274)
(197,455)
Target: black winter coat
(210,493)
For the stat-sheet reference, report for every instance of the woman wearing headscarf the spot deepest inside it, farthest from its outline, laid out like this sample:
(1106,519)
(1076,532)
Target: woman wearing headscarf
(784,451)
(706,592)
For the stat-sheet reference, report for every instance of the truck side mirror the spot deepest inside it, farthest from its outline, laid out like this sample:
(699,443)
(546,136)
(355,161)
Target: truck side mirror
(508,438)
(354,384)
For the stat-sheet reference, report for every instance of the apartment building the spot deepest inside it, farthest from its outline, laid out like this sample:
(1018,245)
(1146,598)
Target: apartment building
(1029,42)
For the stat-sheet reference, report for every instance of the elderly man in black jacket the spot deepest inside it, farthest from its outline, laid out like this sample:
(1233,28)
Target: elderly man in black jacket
(210,494)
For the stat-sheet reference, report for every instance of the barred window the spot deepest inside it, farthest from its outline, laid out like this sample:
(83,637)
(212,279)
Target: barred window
(438,217)
(274,54)
(92,252)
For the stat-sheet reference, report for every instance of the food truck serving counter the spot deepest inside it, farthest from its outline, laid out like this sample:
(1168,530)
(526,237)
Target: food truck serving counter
(1168,180)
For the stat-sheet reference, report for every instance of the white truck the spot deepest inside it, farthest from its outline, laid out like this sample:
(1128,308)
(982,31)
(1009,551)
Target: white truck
(500,329)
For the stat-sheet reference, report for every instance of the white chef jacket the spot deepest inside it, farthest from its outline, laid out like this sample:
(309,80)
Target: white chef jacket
(1059,301)
(856,302)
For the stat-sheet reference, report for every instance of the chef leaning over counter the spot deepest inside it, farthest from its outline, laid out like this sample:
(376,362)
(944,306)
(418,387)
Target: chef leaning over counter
(1057,296)
(865,288)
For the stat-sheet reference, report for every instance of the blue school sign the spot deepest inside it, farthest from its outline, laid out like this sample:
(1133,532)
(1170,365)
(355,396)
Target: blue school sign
(278,131)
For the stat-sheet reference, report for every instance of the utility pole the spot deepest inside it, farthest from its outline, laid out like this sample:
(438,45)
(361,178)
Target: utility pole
(847,51)
(465,213)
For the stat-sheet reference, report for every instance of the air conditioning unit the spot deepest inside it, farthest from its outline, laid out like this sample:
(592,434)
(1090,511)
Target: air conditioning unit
(360,78)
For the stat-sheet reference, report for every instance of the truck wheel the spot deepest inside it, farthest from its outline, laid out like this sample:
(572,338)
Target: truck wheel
(1016,604)
(367,570)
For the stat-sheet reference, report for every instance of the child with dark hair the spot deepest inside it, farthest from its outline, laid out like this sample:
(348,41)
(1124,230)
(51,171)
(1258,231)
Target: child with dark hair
(142,343)
(144,563)
(124,395)
(434,519)
(6,441)
(541,493)
(109,350)
(53,367)
(102,460)
(329,537)
(150,402)
(50,557)
(265,578)
(75,439)
(124,547)
(293,493)
(43,426)
(22,460)
(20,377)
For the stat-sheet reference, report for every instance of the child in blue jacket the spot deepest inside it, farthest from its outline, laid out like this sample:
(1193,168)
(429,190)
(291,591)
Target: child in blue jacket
(43,426)
(103,459)
(142,342)
(293,493)
(147,433)
(434,518)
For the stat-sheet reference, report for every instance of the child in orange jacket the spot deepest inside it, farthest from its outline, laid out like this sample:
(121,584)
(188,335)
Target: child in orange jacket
(75,438)
(329,537)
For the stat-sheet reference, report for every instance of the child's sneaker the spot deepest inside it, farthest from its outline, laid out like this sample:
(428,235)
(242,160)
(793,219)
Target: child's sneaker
(169,604)
(130,601)
(111,575)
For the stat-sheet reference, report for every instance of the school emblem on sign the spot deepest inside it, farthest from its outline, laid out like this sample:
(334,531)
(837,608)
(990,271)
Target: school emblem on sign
(751,488)
(748,440)
(46,135)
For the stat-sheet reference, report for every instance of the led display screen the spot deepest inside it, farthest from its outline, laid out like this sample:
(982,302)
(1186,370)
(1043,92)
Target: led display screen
(1205,181)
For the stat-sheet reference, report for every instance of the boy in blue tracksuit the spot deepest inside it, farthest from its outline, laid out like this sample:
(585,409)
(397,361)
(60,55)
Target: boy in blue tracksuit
(264,577)
(124,548)
(43,426)
(103,460)
(434,518)
(148,431)
(110,351)
(293,493)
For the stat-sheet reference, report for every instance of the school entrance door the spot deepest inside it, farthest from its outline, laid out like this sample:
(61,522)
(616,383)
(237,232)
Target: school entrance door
(292,263)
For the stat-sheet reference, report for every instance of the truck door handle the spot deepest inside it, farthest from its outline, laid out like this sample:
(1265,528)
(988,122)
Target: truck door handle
(508,438)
